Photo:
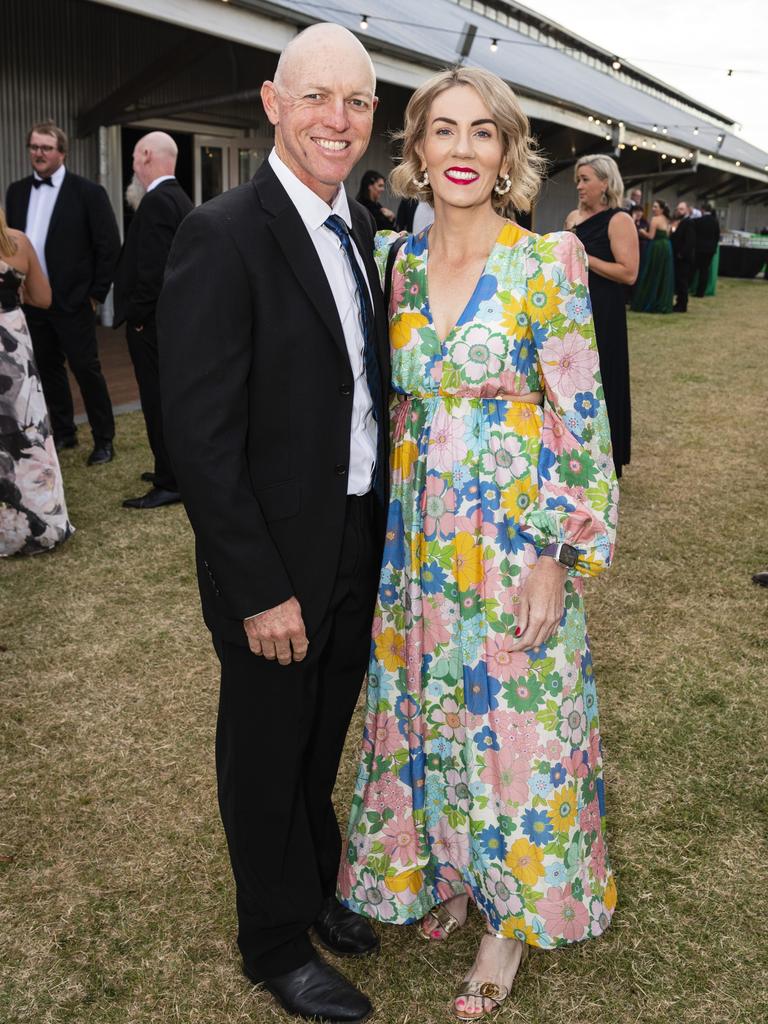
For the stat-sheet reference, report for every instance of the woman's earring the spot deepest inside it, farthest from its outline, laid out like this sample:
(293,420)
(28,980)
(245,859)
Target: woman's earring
(503,185)
(423,181)
(604,198)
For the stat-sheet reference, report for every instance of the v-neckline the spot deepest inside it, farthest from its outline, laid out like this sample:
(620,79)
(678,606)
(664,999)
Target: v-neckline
(459,320)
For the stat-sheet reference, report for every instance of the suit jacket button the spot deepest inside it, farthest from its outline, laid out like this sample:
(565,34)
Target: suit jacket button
(345,389)
(341,470)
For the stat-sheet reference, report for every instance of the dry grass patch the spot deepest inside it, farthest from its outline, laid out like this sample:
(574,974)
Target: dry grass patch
(116,901)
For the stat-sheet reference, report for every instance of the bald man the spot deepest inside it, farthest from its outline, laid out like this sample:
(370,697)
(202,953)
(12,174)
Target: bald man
(161,205)
(274,364)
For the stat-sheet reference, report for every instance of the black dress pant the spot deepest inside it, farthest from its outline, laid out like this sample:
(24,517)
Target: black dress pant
(683,272)
(142,345)
(58,337)
(703,263)
(280,735)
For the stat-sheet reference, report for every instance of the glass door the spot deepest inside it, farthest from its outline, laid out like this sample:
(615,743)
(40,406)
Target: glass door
(212,167)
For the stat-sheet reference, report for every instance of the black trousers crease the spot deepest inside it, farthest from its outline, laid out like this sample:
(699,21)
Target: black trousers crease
(279,739)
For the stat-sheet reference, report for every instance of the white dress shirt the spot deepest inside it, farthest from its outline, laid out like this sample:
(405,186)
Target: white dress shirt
(314,212)
(157,181)
(41,203)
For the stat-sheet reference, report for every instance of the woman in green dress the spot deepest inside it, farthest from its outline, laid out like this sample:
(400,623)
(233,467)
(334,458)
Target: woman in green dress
(481,773)
(655,288)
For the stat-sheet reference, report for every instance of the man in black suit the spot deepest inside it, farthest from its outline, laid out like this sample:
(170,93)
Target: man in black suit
(162,206)
(707,240)
(684,250)
(74,232)
(274,369)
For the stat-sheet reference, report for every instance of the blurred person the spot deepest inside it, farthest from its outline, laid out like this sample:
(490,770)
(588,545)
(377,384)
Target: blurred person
(274,368)
(655,286)
(368,195)
(707,240)
(73,230)
(161,206)
(33,512)
(634,200)
(684,249)
(499,436)
(610,238)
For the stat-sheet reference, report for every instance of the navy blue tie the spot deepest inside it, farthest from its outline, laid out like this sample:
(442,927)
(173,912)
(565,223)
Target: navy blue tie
(337,225)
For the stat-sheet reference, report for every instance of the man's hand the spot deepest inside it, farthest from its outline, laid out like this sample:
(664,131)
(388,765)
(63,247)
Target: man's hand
(278,633)
(541,604)
(94,304)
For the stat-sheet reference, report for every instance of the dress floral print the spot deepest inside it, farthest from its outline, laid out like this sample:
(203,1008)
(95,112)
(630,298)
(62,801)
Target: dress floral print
(33,514)
(481,766)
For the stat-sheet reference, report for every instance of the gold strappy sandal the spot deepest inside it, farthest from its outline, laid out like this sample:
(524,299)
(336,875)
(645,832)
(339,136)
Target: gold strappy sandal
(444,919)
(497,994)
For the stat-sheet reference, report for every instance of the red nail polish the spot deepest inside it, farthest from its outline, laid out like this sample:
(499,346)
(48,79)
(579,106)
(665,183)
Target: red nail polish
(517,631)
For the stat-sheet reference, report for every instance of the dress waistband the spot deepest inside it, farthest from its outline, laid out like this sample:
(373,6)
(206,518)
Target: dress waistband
(533,399)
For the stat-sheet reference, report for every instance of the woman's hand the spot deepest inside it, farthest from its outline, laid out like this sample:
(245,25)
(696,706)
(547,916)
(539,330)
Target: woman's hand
(541,604)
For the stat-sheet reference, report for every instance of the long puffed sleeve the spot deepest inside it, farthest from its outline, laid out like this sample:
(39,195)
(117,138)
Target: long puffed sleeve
(577,500)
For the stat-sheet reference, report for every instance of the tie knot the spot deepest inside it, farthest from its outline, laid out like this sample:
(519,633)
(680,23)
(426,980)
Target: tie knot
(337,225)
(37,182)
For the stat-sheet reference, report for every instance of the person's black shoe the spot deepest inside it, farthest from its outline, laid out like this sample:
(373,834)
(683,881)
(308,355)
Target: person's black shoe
(317,991)
(677,309)
(65,442)
(102,452)
(148,478)
(761,578)
(154,498)
(344,932)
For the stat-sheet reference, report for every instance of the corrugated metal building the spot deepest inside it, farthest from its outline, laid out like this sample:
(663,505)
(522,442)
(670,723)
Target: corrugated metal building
(109,70)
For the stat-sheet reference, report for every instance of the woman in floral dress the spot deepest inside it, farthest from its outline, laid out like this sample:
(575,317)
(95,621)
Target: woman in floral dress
(33,514)
(481,772)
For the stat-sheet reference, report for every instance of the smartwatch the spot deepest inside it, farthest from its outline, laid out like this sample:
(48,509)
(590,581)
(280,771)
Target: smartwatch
(565,554)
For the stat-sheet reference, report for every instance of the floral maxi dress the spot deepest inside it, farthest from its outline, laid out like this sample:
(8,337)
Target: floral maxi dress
(481,767)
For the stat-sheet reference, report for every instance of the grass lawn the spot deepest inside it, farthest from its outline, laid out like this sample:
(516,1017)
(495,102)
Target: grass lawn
(116,900)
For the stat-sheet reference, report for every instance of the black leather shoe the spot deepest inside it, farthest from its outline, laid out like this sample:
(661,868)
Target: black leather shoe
(317,991)
(102,452)
(761,578)
(154,498)
(148,478)
(344,932)
(65,442)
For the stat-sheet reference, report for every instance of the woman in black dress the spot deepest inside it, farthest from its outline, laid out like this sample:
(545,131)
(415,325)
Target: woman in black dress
(369,194)
(610,238)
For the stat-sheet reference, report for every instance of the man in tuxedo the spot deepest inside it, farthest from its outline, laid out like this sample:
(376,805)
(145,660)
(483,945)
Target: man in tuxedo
(274,370)
(74,232)
(684,251)
(707,240)
(162,205)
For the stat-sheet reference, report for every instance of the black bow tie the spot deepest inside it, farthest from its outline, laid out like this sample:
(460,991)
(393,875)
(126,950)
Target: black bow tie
(37,182)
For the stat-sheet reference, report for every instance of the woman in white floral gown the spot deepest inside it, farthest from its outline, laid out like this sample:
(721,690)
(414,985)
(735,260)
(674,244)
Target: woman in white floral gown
(33,513)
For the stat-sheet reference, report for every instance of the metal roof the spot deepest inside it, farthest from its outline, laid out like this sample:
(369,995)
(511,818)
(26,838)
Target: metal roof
(427,33)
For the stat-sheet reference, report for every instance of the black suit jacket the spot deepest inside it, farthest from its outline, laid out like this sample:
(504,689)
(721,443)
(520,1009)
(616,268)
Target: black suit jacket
(707,233)
(257,401)
(684,241)
(83,242)
(139,274)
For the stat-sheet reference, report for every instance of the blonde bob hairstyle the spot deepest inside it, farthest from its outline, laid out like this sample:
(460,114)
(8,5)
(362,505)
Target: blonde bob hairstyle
(520,158)
(607,170)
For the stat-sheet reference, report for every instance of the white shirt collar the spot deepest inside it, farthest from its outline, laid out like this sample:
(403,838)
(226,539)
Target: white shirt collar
(57,177)
(313,210)
(156,182)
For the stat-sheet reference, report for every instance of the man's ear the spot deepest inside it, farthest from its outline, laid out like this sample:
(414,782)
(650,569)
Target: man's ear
(270,102)
(374,103)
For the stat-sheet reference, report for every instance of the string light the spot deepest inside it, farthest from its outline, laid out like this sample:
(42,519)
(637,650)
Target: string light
(364,22)
(494,45)
(655,128)
(590,118)
(738,163)
(634,149)
(695,131)
(616,65)
(674,160)
(608,121)
(664,131)
(607,137)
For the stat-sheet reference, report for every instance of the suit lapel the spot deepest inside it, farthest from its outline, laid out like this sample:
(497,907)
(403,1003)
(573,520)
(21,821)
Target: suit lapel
(56,213)
(293,238)
(363,243)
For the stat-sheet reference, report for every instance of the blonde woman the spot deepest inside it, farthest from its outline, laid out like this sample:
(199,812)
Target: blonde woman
(609,237)
(33,514)
(481,778)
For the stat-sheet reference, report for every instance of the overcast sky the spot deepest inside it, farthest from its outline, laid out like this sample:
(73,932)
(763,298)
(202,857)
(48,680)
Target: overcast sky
(689,44)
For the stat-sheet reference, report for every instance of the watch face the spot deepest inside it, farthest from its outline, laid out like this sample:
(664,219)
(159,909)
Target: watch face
(568,555)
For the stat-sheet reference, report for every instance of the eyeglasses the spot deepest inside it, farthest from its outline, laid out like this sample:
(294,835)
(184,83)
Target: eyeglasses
(41,149)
